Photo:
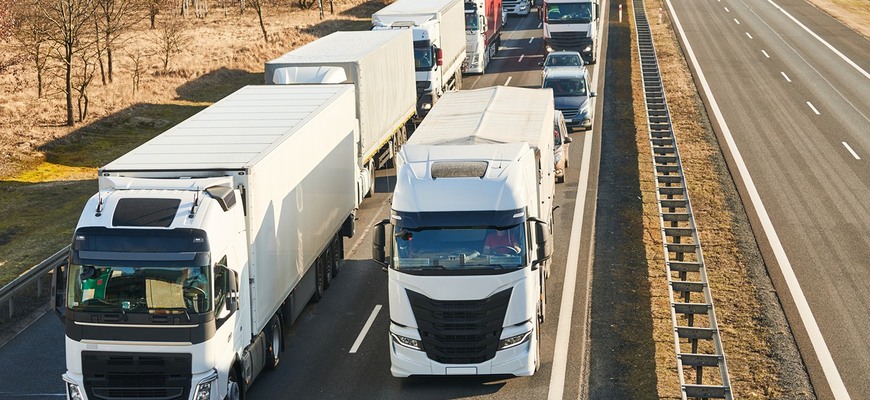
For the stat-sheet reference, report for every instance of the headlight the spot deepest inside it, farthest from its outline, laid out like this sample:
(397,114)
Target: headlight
(74,392)
(426,106)
(407,342)
(549,49)
(587,48)
(514,341)
(203,388)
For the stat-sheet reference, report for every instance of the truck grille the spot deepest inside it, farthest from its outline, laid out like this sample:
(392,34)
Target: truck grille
(460,332)
(109,376)
(569,40)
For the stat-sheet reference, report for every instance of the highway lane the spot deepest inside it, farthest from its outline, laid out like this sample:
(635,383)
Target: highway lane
(793,89)
(330,354)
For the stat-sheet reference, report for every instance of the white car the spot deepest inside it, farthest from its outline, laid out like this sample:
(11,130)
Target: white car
(562,59)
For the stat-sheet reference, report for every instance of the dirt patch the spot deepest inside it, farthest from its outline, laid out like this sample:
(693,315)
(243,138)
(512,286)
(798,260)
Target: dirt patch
(852,13)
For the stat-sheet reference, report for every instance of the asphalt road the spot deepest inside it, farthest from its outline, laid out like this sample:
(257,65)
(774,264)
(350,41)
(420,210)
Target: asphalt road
(318,362)
(794,92)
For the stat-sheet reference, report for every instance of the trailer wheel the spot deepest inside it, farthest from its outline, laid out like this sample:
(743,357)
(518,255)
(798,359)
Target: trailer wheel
(319,280)
(235,387)
(327,266)
(276,337)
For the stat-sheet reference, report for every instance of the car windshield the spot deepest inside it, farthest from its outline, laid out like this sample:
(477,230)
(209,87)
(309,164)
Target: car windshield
(155,290)
(423,58)
(460,249)
(566,13)
(563,60)
(572,87)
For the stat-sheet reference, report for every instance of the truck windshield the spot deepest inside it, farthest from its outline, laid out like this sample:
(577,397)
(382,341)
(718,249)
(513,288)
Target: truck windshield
(155,290)
(423,58)
(569,13)
(460,250)
(566,86)
(472,23)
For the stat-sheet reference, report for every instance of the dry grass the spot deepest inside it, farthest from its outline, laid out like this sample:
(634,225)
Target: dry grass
(738,312)
(47,170)
(853,13)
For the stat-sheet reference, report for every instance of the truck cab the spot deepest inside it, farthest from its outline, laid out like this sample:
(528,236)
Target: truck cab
(466,237)
(570,25)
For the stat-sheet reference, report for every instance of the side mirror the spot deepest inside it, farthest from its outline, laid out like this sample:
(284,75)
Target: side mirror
(593,94)
(540,63)
(439,57)
(233,295)
(568,139)
(379,242)
(58,289)
(543,242)
(483,24)
(597,10)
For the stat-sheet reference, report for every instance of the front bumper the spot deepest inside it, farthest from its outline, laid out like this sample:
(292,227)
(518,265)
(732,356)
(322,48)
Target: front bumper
(518,9)
(518,361)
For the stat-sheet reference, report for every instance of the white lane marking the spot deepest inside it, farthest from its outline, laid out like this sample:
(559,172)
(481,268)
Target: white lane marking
(828,45)
(785,76)
(531,39)
(765,53)
(365,329)
(814,108)
(835,381)
(566,308)
(540,24)
(727,10)
(735,20)
(854,154)
(747,34)
(521,58)
(508,81)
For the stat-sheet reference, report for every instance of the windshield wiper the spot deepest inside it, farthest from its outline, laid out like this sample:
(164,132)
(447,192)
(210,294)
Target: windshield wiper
(184,309)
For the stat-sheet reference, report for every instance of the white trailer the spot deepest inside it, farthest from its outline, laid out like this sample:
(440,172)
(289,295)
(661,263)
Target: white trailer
(470,242)
(205,242)
(439,43)
(380,65)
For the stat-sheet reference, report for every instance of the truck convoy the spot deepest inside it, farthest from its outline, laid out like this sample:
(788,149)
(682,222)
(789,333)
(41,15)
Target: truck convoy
(373,61)
(439,45)
(205,242)
(571,25)
(469,241)
(483,23)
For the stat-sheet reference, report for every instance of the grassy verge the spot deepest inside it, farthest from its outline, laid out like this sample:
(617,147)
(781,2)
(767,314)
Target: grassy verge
(853,13)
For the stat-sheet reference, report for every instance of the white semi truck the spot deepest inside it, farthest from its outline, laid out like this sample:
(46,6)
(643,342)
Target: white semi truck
(469,241)
(380,65)
(483,23)
(571,25)
(205,242)
(439,43)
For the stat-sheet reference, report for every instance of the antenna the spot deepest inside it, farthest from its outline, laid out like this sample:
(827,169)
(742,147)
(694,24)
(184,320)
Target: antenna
(99,203)
(195,203)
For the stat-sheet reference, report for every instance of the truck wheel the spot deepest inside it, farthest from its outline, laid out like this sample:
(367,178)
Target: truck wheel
(336,254)
(276,333)
(319,287)
(235,387)
(327,267)
(371,167)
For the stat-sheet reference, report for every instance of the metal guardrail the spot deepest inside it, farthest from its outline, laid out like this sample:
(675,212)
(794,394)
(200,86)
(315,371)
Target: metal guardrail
(696,334)
(33,274)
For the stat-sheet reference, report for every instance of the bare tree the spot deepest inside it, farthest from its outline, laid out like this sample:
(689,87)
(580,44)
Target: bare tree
(170,38)
(30,37)
(154,7)
(258,6)
(82,77)
(139,58)
(70,22)
(114,18)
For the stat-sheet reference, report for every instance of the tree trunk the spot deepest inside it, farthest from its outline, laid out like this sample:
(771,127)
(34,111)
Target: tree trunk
(108,61)
(68,86)
(262,25)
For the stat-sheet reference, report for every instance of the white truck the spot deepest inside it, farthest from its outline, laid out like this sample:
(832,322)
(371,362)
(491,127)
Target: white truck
(517,7)
(571,25)
(205,242)
(483,23)
(469,241)
(439,43)
(380,65)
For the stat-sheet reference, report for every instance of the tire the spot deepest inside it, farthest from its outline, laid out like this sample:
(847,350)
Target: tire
(537,346)
(560,179)
(337,254)
(235,386)
(319,279)
(371,167)
(542,309)
(276,346)
(327,266)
